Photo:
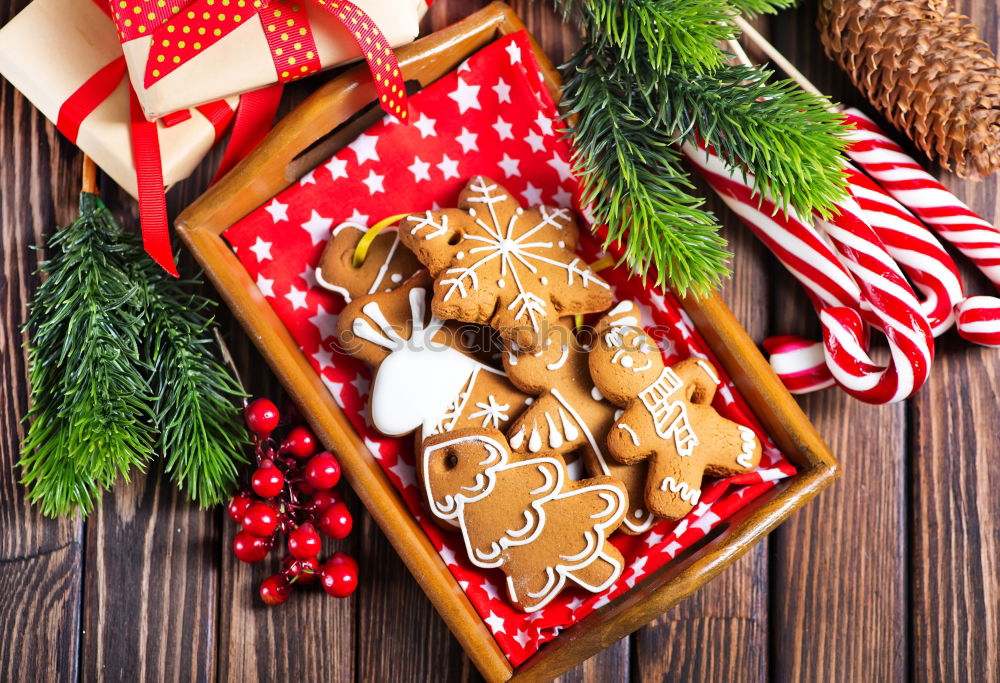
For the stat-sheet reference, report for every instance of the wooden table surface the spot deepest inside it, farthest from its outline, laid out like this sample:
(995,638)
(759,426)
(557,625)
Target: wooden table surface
(892,574)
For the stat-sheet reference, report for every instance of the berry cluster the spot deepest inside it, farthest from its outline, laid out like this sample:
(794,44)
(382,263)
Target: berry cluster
(292,493)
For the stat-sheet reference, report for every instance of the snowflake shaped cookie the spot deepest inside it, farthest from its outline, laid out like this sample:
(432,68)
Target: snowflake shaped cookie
(495,262)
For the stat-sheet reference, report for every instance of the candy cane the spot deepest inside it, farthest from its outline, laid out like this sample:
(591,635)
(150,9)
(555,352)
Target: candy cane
(893,304)
(979,320)
(799,363)
(914,247)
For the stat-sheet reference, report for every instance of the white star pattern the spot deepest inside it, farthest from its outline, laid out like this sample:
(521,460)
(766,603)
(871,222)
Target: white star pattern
(535,616)
(425,125)
(265,286)
(514,51)
(419,169)
(308,179)
(297,297)
(448,167)
(502,90)
(705,522)
(325,322)
(324,358)
(468,141)
(408,475)
(522,637)
(495,623)
(544,123)
(532,195)
(638,569)
(653,539)
(318,227)
(466,96)
(374,182)
(261,249)
(509,166)
(278,211)
(337,168)
(575,604)
(562,198)
(503,129)
(364,147)
(361,385)
(309,275)
(535,141)
(358,218)
(491,590)
(448,555)
(672,548)
(561,166)
(334,388)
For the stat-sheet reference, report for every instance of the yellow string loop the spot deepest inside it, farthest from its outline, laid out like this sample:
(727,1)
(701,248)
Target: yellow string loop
(361,251)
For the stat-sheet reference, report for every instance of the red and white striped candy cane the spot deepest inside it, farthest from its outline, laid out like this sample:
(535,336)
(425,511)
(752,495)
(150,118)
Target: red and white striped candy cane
(799,363)
(913,247)
(979,320)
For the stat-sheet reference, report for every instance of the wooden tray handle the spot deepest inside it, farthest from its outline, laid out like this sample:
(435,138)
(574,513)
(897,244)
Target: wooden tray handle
(291,149)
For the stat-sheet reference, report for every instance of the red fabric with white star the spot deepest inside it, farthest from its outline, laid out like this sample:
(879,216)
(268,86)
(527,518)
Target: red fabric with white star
(491,116)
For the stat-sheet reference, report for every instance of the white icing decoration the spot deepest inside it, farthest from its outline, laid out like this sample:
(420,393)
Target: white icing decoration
(460,255)
(685,492)
(506,243)
(436,229)
(669,416)
(396,277)
(562,359)
(631,433)
(745,458)
(517,439)
(569,429)
(709,370)
(627,361)
(535,440)
(493,413)
(453,507)
(621,307)
(544,281)
(595,394)
(555,438)
(528,401)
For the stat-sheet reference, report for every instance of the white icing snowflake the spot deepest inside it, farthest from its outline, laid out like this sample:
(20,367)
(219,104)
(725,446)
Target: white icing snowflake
(493,413)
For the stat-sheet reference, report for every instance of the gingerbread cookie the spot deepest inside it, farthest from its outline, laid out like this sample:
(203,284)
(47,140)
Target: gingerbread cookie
(668,418)
(386,266)
(523,515)
(494,262)
(423,380)
(569,415)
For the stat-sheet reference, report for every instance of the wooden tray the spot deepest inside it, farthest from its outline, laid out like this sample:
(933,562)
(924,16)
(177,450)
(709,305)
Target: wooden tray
(326,121)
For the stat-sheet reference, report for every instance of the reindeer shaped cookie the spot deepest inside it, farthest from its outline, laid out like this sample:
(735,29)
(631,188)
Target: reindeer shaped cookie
(422,378)
(386,266)
(569,415)
(494,262)
(668,416)
(523,515)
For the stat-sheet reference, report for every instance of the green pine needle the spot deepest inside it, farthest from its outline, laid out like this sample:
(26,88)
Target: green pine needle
(651,75)
(201,434)
(90,415)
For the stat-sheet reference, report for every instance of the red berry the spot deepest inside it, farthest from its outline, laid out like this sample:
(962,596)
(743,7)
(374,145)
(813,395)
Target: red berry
(304,542)
(336,521)
(340,575)
(322,501)
(260,519)
(323,471)
(261,416)
(250,548)
(300,442)
(237,506)
(267,481)
(301,571)
(274,590)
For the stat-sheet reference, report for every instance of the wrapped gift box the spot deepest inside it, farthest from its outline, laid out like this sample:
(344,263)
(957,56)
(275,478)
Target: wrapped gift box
(494,115)
(87,42)
(241,60)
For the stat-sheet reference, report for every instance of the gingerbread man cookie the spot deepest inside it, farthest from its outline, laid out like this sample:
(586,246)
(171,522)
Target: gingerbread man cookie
(494,262)
(569,415)
(669,419)
(524,515)
(423,378)
(386,266)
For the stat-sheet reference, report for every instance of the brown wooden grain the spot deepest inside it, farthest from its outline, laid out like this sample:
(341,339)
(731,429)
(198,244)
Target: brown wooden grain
(847,585)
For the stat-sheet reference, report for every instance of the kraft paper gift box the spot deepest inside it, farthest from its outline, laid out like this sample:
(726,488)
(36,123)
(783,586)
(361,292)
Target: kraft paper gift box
(241,60)
(52,48)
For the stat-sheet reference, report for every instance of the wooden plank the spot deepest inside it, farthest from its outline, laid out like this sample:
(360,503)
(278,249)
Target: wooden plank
(955,529)
(838,568)
(40,559)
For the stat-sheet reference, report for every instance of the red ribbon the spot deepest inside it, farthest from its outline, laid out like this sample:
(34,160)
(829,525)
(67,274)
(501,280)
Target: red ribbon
(255,107)
(88,96)
(181,29)
(152,198)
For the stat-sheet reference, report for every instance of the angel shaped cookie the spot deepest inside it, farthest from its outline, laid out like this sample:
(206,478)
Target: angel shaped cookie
(494,262)
(423,378)
(523,515)
(669,419)
(570,415)
(387,263)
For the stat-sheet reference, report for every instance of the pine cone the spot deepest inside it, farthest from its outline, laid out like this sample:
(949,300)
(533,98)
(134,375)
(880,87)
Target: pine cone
(924,66)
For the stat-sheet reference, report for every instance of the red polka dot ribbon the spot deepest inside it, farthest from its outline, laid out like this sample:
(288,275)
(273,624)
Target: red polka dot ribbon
(181,29)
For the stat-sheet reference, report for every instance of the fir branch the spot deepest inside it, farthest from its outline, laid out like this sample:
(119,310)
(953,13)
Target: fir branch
(90,421)
(201,434)
(752,8)
(633,182)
